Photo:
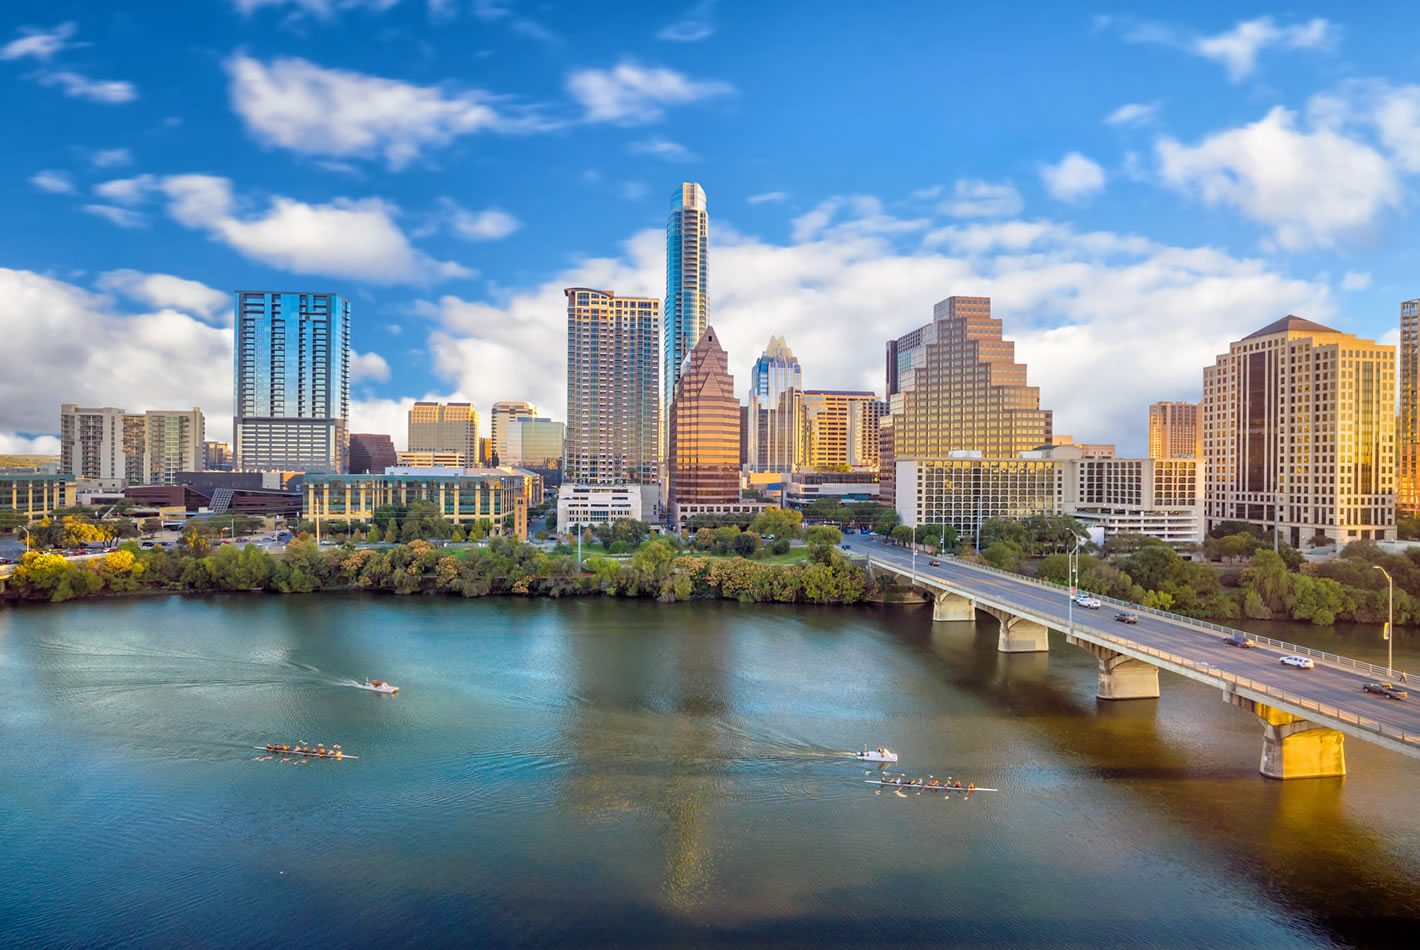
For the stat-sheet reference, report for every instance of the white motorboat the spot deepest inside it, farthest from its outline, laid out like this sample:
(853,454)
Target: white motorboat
(378,686)
(880,754)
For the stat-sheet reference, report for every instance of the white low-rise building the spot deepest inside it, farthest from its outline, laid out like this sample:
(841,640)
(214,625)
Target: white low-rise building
(579,505)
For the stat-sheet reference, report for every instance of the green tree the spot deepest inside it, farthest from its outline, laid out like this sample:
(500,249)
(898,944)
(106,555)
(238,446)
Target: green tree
(1003,554)
(886,522)
(391,533)
(779,522)
(902,534)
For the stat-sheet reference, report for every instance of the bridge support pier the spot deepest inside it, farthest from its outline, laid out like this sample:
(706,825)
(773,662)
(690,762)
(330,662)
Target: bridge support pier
(1019,635)
(1294,747)
(1122,677)
(948,606)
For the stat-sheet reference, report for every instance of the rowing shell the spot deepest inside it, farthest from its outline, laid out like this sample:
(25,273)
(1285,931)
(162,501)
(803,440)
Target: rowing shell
(930,788)
(315,754)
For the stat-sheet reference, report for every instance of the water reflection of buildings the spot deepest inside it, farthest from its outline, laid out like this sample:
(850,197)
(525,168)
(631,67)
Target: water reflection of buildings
(646,741)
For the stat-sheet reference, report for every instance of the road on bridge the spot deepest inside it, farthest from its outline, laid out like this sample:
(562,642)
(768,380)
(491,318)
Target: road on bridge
(1330,684)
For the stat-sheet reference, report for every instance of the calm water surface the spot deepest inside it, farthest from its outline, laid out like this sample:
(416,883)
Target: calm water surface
(609,773)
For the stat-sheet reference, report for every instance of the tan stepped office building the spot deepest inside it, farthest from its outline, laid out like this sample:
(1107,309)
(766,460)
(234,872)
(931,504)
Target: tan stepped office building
(1299,431)
(954,385)
(1175,430)
(841,428)
(444,428)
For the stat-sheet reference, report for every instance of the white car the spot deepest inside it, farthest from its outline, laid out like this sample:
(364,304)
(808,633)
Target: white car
(1090,602)
(1300,662)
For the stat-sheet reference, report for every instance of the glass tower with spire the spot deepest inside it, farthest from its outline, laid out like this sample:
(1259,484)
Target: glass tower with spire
(687,303)
(774,419)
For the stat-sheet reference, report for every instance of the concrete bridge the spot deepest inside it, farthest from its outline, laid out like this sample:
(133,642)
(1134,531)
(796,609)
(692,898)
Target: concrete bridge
(1305,714)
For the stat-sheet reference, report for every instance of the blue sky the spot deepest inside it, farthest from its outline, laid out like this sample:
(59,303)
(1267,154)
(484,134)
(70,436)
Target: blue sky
(1133,188)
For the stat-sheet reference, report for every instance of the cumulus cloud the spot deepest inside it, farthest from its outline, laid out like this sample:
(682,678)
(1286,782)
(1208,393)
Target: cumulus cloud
(1133,113)
(36,43)
(1355,280)
(160,358)
(768,197)
(863,216)
(490,224)
(109,157)
(12,443)
(295,104)
(495,11)
(1070,300)
(658,147)
(982,199)
(1311,186)
(631,94)
(1236,49)
(54,182)
(1074,179)
(321,9)
(365,367)
(166,291)
(357,239)
(108,91)
(122,217)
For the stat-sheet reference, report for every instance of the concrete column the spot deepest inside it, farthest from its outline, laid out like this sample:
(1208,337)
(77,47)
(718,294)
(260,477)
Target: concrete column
(1019,635)
(1294,747)
(1120,676)
(948,606)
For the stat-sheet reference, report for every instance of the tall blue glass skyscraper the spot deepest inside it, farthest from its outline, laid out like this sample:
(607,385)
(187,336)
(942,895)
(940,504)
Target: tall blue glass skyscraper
(292,382)
(776,383)
(687,295)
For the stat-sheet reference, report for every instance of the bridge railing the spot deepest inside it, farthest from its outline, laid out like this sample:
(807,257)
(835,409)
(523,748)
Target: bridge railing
(1341,715)
(1335,658)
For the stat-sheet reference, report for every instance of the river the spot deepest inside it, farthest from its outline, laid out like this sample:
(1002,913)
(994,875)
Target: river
(596,772)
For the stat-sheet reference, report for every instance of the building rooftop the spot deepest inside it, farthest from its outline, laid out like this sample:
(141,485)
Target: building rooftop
(1290,324)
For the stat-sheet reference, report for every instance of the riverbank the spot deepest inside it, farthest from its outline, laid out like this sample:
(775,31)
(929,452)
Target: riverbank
(505,567)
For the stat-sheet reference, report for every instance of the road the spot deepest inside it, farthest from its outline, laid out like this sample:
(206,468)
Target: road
(1328,683)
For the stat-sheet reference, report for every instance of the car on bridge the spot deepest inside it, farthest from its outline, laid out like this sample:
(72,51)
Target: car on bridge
(936,563)
(1300,662)
(1386,690)
(1127,618)
(1238,640)
(1085,600)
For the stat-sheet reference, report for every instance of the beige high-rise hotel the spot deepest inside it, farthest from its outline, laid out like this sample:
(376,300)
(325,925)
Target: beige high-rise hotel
(1174,430)
(1299,431)
(444,427)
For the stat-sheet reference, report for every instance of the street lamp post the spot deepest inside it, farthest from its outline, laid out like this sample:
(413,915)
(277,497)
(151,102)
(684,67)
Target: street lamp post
(914,555)
(1072,567)
(27,537)
(1390,619)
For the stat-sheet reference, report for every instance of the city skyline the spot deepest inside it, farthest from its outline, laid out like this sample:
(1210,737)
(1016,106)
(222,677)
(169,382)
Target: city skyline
(145,204)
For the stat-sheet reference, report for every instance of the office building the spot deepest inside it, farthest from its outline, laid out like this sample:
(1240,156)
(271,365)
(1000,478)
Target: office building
(687,288)
(1299,433)
(501,419)
(805,487)
(292,382)
(591,505)
(463,497)
(613,396)
(174,441)
(954,385)
(841,428)
(217,457)
(1175,430)
(444,427)
(423,459)
(703,437)
(32,496)
(1407,483)
(371,453)
(535,443)
(772,433)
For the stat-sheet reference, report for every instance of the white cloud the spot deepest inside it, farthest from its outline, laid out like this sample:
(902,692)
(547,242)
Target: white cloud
(768,197)
(491,224)
(123,217)
(1310,186)
(1133,113)
(356,239)
(14,444)
(661,148)
(321,9)
(109,157)
(149,359)
(865,217)
(631,94)
(368,366)
(495,11)
(982,199)
(54,182)
(1237,48)
(165,291)
(37,43)
(109,91)
(1071,301)
(1074,179)
(295,104)
(695,26)
(1355,280)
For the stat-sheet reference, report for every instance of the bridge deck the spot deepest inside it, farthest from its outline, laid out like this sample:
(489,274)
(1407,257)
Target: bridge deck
(1329,695)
